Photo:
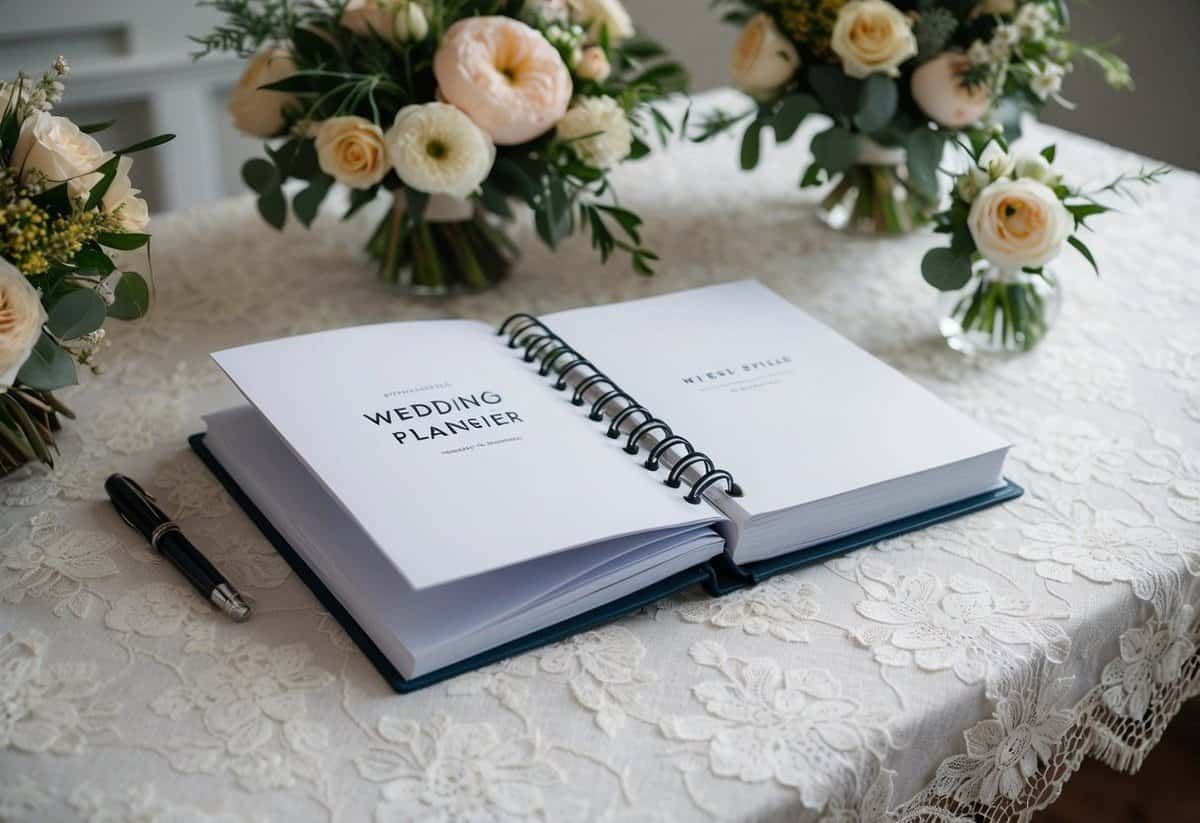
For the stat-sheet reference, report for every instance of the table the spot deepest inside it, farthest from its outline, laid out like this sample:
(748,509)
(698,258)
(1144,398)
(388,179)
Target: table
(964,669)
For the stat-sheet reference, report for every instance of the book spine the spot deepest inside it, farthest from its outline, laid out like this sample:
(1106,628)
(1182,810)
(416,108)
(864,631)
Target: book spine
(626,416)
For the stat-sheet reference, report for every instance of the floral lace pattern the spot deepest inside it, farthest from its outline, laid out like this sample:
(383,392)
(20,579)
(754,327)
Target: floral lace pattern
(956,673)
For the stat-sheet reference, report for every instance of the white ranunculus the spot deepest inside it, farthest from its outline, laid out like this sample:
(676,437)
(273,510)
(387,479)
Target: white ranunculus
(350,149)
(21,319)
(1018,224)
(437,149)
(260,112)
(971,183)
(872,37)
(603,14)
(995,161)
(1036,167)
(57,148)
(764,59)
(1047,80)
(121,200)
(603,119)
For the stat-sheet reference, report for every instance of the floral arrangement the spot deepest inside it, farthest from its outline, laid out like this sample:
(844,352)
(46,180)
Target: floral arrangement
(454,108)
(65,205)
(1010,217)
(898,80)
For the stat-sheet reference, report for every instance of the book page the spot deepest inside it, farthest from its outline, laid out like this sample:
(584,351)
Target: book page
(795,411)
(453,454)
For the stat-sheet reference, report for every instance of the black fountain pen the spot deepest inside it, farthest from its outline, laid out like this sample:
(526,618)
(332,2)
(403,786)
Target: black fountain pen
(137,508)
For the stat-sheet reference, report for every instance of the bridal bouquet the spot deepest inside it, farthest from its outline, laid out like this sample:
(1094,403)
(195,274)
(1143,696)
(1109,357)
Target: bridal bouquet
(455,109)
(1009,218)
(897,80)
(65,205)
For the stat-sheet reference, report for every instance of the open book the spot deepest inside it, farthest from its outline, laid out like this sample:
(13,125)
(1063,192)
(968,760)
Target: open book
(454,494)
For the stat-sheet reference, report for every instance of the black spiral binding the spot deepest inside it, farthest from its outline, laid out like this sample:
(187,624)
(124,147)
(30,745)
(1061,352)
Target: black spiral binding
(541,344)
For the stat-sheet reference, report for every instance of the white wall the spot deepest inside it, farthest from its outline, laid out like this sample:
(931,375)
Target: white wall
(131,60)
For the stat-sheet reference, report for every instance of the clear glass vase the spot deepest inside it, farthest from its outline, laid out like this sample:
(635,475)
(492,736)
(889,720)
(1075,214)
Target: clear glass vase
(457,247)
(873,196)
(1000,312)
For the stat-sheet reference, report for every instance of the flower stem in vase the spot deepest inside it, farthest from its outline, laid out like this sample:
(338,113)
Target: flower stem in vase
(455,248)
(1002,312)
(874,197)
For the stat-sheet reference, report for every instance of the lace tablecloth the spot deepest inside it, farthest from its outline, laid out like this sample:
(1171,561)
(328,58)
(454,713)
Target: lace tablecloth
(967,668)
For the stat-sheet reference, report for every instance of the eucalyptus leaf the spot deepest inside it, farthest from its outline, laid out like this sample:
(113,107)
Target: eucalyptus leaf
(791,113)
(131,297)
(924,155)
(48,367)
(876,104)
(834,149)
(75,314)
(260,174)
(751,145)
(945,270)
(273,207)
(837,91)
(307,202)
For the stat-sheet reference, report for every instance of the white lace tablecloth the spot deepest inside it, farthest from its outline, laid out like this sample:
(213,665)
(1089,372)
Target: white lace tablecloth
(967,668)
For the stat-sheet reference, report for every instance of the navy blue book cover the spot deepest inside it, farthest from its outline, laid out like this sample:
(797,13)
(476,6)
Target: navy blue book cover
(718,577)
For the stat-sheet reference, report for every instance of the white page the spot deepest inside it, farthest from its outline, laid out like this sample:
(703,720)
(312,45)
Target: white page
(419,630)
(528,479)
(795,411)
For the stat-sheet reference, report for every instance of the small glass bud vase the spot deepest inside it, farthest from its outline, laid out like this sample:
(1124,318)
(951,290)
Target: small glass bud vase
(873,195)
(1000,311)
(456,247)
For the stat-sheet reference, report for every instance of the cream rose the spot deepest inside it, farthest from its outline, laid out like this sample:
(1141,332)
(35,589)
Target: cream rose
(21,319)
(1019,223)
(435,148)
(937,87)
(351,151)
(599,130)
(505,75)
(593,65)
(764,59)
(872,36)
(603,14)
(121,200)
(257,111)
(57,148)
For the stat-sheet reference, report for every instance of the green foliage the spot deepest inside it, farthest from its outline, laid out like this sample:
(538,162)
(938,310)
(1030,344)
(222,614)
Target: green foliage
(131,297)
(925,148)
(835,149)
(945,270)
(876,104)
(49,366)
(75,314)
(933,30)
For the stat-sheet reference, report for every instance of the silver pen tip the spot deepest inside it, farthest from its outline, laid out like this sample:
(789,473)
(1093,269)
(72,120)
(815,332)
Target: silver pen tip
(229,601)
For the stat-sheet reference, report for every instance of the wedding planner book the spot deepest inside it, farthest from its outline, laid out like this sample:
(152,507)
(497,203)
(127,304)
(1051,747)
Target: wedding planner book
(455,495)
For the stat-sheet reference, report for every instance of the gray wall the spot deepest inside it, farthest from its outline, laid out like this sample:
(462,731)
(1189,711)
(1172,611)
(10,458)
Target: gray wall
(1157,37)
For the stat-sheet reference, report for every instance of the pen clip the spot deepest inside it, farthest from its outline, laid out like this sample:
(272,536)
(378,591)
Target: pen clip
(146,498)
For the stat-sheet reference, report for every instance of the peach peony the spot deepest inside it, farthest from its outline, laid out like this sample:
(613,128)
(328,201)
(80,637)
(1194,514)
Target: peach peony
(505,75)
(937,88)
